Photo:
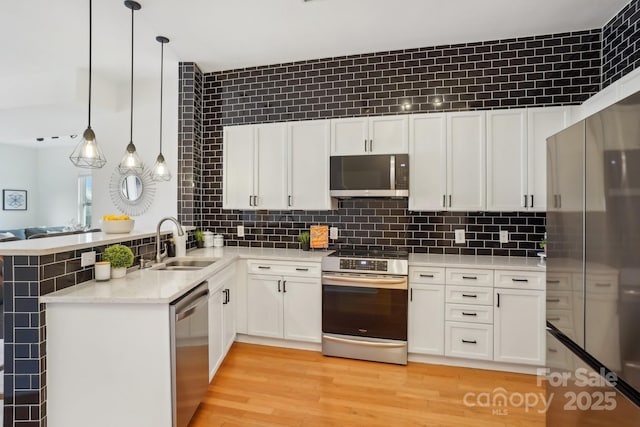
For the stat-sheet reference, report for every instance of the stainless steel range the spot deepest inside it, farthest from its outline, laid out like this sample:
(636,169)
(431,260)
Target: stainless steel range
(364,305)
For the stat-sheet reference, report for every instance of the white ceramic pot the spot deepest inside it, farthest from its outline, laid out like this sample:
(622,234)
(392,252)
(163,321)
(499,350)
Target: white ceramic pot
(218,241)
(103,271)
(118,273)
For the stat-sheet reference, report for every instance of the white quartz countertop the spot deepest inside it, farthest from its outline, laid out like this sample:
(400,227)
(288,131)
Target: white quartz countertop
(164,286)
(476,261)
(55,244)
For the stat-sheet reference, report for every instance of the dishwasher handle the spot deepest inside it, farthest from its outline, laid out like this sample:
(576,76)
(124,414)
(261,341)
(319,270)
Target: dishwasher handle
(185,306)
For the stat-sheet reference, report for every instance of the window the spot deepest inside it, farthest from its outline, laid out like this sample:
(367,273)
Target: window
(84,200)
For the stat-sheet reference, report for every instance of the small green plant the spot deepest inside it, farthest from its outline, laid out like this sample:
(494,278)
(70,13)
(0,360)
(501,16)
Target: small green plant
(119,256)
(199,235)
(304,237)
(543,243)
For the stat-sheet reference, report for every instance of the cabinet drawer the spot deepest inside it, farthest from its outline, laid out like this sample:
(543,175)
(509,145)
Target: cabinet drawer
(558,282)
(602,285)
(469,313)
(469,277)
(470,340)
(560,318)
(283,268)
(428,275)
(469,295)
(559,300)
(519,279)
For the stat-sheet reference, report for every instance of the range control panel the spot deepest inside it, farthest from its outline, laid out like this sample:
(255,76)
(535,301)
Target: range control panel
(363,264)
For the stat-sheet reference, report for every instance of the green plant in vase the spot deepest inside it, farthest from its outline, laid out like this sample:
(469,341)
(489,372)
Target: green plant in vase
(304,238)
(199,235)
(120,258)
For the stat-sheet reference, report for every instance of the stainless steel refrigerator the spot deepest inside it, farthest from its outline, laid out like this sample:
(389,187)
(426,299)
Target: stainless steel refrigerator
(593,270)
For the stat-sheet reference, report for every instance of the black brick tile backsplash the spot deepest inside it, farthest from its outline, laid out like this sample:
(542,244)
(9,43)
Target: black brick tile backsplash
(621,44)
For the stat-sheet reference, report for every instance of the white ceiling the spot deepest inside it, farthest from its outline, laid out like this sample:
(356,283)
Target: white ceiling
(226,34)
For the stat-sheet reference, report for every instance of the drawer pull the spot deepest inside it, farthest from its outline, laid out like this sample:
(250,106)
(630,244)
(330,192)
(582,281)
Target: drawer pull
(553,319)
(469,314)
(552,350)
(555,282)
(302,269)
(427,275)
(520,280)
(603,285)
(264,267)
(470,341)
(553,299)
(469,296)
(470,277)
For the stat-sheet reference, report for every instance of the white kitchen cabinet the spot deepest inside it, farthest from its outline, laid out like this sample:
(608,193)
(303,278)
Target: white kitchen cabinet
(255,167)
(519,326)
(428,162)
(309,145)
(507,160)
(426,319)
(516,156)
(565,191)
(369,135)
(447,155)
(284,300)
(216,319)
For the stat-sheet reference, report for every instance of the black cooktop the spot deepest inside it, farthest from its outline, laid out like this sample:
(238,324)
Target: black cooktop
(369,253)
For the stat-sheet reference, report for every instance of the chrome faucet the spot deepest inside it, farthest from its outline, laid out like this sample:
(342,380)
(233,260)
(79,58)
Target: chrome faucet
(160,254)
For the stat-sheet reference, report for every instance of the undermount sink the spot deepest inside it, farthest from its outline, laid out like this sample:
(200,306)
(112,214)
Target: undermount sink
(184,264)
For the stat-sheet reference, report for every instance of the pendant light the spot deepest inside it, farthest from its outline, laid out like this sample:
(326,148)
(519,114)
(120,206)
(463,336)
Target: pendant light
(160,171)
(131,162)
(87,153)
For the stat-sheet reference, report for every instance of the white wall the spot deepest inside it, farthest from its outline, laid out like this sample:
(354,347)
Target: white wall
(17,173)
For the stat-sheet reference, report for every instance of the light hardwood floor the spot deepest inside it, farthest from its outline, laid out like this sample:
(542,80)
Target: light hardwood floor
(270,386)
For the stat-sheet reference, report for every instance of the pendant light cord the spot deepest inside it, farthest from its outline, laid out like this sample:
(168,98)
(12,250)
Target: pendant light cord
(161,84)
(131,113)
(90,44)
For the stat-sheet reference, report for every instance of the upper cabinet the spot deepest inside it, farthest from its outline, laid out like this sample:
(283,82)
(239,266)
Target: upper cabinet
(516,156)
(447,155)
(255,173)
(370,135)
(277,166)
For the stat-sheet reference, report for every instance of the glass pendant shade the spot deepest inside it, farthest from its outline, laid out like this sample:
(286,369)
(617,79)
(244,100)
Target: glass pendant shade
(160,171)
(88,154)
(131,161)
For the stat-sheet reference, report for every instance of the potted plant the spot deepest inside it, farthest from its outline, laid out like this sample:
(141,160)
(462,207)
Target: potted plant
(120,258)
(304,239)
(199,235)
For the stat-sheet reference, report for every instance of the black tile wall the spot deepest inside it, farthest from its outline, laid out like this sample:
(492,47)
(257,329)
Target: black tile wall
(621,44)
(26,278)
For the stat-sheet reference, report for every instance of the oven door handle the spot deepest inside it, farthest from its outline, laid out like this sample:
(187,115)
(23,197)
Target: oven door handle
(364,343)
(365,282)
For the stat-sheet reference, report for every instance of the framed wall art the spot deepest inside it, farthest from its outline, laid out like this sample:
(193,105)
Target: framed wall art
(14,200)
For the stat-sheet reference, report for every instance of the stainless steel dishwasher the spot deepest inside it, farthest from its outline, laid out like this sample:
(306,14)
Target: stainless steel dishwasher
(189,353)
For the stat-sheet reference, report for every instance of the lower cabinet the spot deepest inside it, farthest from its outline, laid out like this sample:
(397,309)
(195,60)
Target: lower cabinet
(222,317)
(286,306)
(426,319)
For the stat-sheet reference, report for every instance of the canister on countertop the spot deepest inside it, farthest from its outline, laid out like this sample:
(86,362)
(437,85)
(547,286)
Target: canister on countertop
(218,241)
(208,239)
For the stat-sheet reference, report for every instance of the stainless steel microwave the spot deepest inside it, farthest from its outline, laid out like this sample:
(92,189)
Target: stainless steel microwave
(381,175)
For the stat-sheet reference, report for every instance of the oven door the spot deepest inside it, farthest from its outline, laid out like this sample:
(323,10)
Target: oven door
(365,305)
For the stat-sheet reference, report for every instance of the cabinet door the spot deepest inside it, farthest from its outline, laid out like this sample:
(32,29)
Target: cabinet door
(229,314)
(569,169)
(309,151)
(271,170)
(349,136)
(216,353)
(389,135)
(238,159)
(428,160)
(426,319)
(519,326)
(466,155)
(264,306)
(541,124)
(302,309)
(507,160)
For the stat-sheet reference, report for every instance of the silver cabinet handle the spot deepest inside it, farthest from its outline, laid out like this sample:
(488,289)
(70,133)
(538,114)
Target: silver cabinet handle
(449,200)
(603,285)
(411,294)
(289,201)
(255,200)
(470,341)
(555,282)
(553,319)
(553,299)
(444,200)
(365,145)
(371,145)
(250,200)
(552,350)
